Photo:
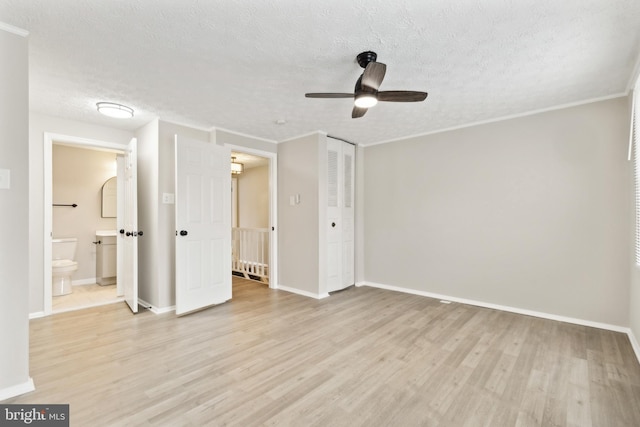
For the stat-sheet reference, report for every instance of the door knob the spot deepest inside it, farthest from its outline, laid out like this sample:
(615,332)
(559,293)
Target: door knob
(128,233)
(333,224)
(122,231)
(140,233)
(183,232)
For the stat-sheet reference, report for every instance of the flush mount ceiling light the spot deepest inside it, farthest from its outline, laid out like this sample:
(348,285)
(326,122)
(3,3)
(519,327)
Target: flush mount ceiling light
(115,110)
(236,168)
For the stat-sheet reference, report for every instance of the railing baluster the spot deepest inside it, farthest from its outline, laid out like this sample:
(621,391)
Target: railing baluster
(249,252)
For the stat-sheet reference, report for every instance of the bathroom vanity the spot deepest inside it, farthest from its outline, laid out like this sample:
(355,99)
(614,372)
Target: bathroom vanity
(106,256)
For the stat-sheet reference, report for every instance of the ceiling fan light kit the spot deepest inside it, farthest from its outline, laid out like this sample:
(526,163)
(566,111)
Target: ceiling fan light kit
(366,94)
(365,100)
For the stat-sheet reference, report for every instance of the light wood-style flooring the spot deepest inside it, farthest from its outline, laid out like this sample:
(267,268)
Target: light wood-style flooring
(362,357)
(84,296)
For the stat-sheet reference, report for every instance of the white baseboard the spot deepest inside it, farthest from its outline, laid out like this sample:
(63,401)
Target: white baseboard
(301,292)
(82,282)
(634,344)
(156,310)
(36,315)
(16,390)
(540,314)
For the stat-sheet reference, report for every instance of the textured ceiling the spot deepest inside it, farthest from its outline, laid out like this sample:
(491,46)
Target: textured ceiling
(242,66)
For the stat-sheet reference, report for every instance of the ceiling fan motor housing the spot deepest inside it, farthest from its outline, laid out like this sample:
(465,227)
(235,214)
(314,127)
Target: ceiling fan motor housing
(365,57)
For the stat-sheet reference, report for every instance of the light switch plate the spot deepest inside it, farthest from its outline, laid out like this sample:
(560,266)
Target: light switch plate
(168,198)
(5,179)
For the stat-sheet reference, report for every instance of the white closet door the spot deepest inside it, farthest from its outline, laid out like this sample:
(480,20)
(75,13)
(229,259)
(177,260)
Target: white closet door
(340,214)
(348,214)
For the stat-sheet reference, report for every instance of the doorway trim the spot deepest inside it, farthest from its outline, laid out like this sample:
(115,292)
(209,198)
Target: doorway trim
(48,140)
(273,207)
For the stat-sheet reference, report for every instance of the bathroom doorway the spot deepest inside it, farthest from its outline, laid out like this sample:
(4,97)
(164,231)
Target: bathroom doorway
(76,172)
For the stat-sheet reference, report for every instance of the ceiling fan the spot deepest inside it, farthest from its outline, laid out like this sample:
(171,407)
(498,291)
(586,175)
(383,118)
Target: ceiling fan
(366,92)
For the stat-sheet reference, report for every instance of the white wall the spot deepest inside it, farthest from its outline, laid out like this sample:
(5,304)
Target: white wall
(14,214)
(224,137)
(38,125)
(78,177)
(298,232)
(253,198)
(530,213)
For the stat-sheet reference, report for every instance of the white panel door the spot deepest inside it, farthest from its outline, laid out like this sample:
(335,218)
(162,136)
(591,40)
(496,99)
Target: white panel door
(334,213)
(120,224)
(340,214)
(348,214)
(128,236)
(203,225)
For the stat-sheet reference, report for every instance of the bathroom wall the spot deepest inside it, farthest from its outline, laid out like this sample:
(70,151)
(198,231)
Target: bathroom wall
(78,176)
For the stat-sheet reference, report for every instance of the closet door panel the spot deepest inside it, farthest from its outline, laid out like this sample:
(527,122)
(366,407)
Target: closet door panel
(340,214)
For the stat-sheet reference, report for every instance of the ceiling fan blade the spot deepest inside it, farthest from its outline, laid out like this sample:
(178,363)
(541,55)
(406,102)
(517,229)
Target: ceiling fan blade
(373,75)
(328,95)
(401,96)
(358,112)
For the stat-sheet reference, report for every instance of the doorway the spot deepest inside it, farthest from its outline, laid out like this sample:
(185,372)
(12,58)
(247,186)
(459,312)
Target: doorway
(90,294)
(254,214)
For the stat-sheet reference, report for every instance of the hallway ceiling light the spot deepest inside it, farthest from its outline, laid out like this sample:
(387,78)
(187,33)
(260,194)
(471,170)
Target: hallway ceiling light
(115,110)
(236,168)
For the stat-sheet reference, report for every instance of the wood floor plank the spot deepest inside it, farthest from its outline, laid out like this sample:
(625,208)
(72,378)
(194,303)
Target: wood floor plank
(578,407)
(531,409)
(362,357)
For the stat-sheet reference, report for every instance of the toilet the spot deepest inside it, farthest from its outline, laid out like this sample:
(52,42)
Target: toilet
(63,266)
